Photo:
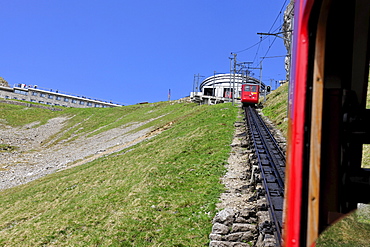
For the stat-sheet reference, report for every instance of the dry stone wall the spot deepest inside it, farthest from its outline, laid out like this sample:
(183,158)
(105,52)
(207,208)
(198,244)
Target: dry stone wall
(244,219)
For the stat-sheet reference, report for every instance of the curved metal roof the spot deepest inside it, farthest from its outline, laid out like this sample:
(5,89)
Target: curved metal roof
(229,78)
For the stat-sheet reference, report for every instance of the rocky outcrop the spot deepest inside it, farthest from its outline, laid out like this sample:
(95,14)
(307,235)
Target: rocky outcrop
(287,34)
(3,82)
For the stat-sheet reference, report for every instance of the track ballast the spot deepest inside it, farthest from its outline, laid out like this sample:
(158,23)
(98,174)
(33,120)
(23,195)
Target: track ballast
(271,164)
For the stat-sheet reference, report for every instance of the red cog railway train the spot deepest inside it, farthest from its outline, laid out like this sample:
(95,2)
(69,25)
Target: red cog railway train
(328,119)
(250,94)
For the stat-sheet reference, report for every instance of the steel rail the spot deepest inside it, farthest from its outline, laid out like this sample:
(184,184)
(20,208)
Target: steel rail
(278,155)
(271,162)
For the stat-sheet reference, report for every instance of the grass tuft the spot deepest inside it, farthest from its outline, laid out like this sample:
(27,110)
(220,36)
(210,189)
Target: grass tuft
(7,148)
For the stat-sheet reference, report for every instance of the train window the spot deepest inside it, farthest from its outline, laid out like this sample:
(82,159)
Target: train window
(366,147)
(66,99)
(50,96)
(368,93)
(58,98)
(254,88)
(34,93)
(247,88)
(365,156)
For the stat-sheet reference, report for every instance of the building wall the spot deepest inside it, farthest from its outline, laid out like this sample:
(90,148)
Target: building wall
(50,98)
(217,88)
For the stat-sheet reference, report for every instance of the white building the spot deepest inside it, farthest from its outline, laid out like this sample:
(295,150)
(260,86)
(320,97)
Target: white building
(219,88)
(50,97)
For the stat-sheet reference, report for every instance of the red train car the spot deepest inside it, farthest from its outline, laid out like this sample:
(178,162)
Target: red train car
(328,119)
(250,94)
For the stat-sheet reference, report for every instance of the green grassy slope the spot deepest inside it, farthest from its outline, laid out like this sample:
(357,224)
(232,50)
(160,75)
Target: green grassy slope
(161,192)
(275,107)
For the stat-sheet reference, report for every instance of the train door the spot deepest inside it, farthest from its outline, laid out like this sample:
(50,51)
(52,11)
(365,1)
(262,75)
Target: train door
(328,117)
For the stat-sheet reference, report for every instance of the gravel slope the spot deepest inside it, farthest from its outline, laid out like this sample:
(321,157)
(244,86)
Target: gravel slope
(34,158)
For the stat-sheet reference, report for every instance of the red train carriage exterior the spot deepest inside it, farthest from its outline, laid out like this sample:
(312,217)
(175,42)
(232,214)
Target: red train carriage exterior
(250,94)
(328,119)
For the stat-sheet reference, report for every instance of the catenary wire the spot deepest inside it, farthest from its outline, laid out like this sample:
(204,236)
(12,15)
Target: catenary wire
(264,38)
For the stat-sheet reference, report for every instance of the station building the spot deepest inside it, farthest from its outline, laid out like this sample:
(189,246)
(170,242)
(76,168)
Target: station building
(220,88)
(50,97)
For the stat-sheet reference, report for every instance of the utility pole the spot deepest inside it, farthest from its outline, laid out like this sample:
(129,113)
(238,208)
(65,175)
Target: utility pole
(234,79)
(214,82)
(196,82)
(271,83)
(230,78)
(244,66)
(264,100)
(273,34)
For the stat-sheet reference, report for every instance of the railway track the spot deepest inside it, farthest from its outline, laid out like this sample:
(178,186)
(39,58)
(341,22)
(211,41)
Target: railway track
(271,164)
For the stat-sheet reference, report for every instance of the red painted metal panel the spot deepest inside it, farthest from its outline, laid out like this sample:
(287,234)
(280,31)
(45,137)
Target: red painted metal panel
(250,96)
(297,106)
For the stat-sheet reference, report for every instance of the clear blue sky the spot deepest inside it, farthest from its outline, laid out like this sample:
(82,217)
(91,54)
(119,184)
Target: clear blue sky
(134,51)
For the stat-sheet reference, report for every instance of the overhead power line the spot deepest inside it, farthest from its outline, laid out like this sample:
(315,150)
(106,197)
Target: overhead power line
(268,49)
(270,31)
(277,17)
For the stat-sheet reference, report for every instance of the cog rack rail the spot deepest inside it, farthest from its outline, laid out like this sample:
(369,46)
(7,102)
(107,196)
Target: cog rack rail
(271,163)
